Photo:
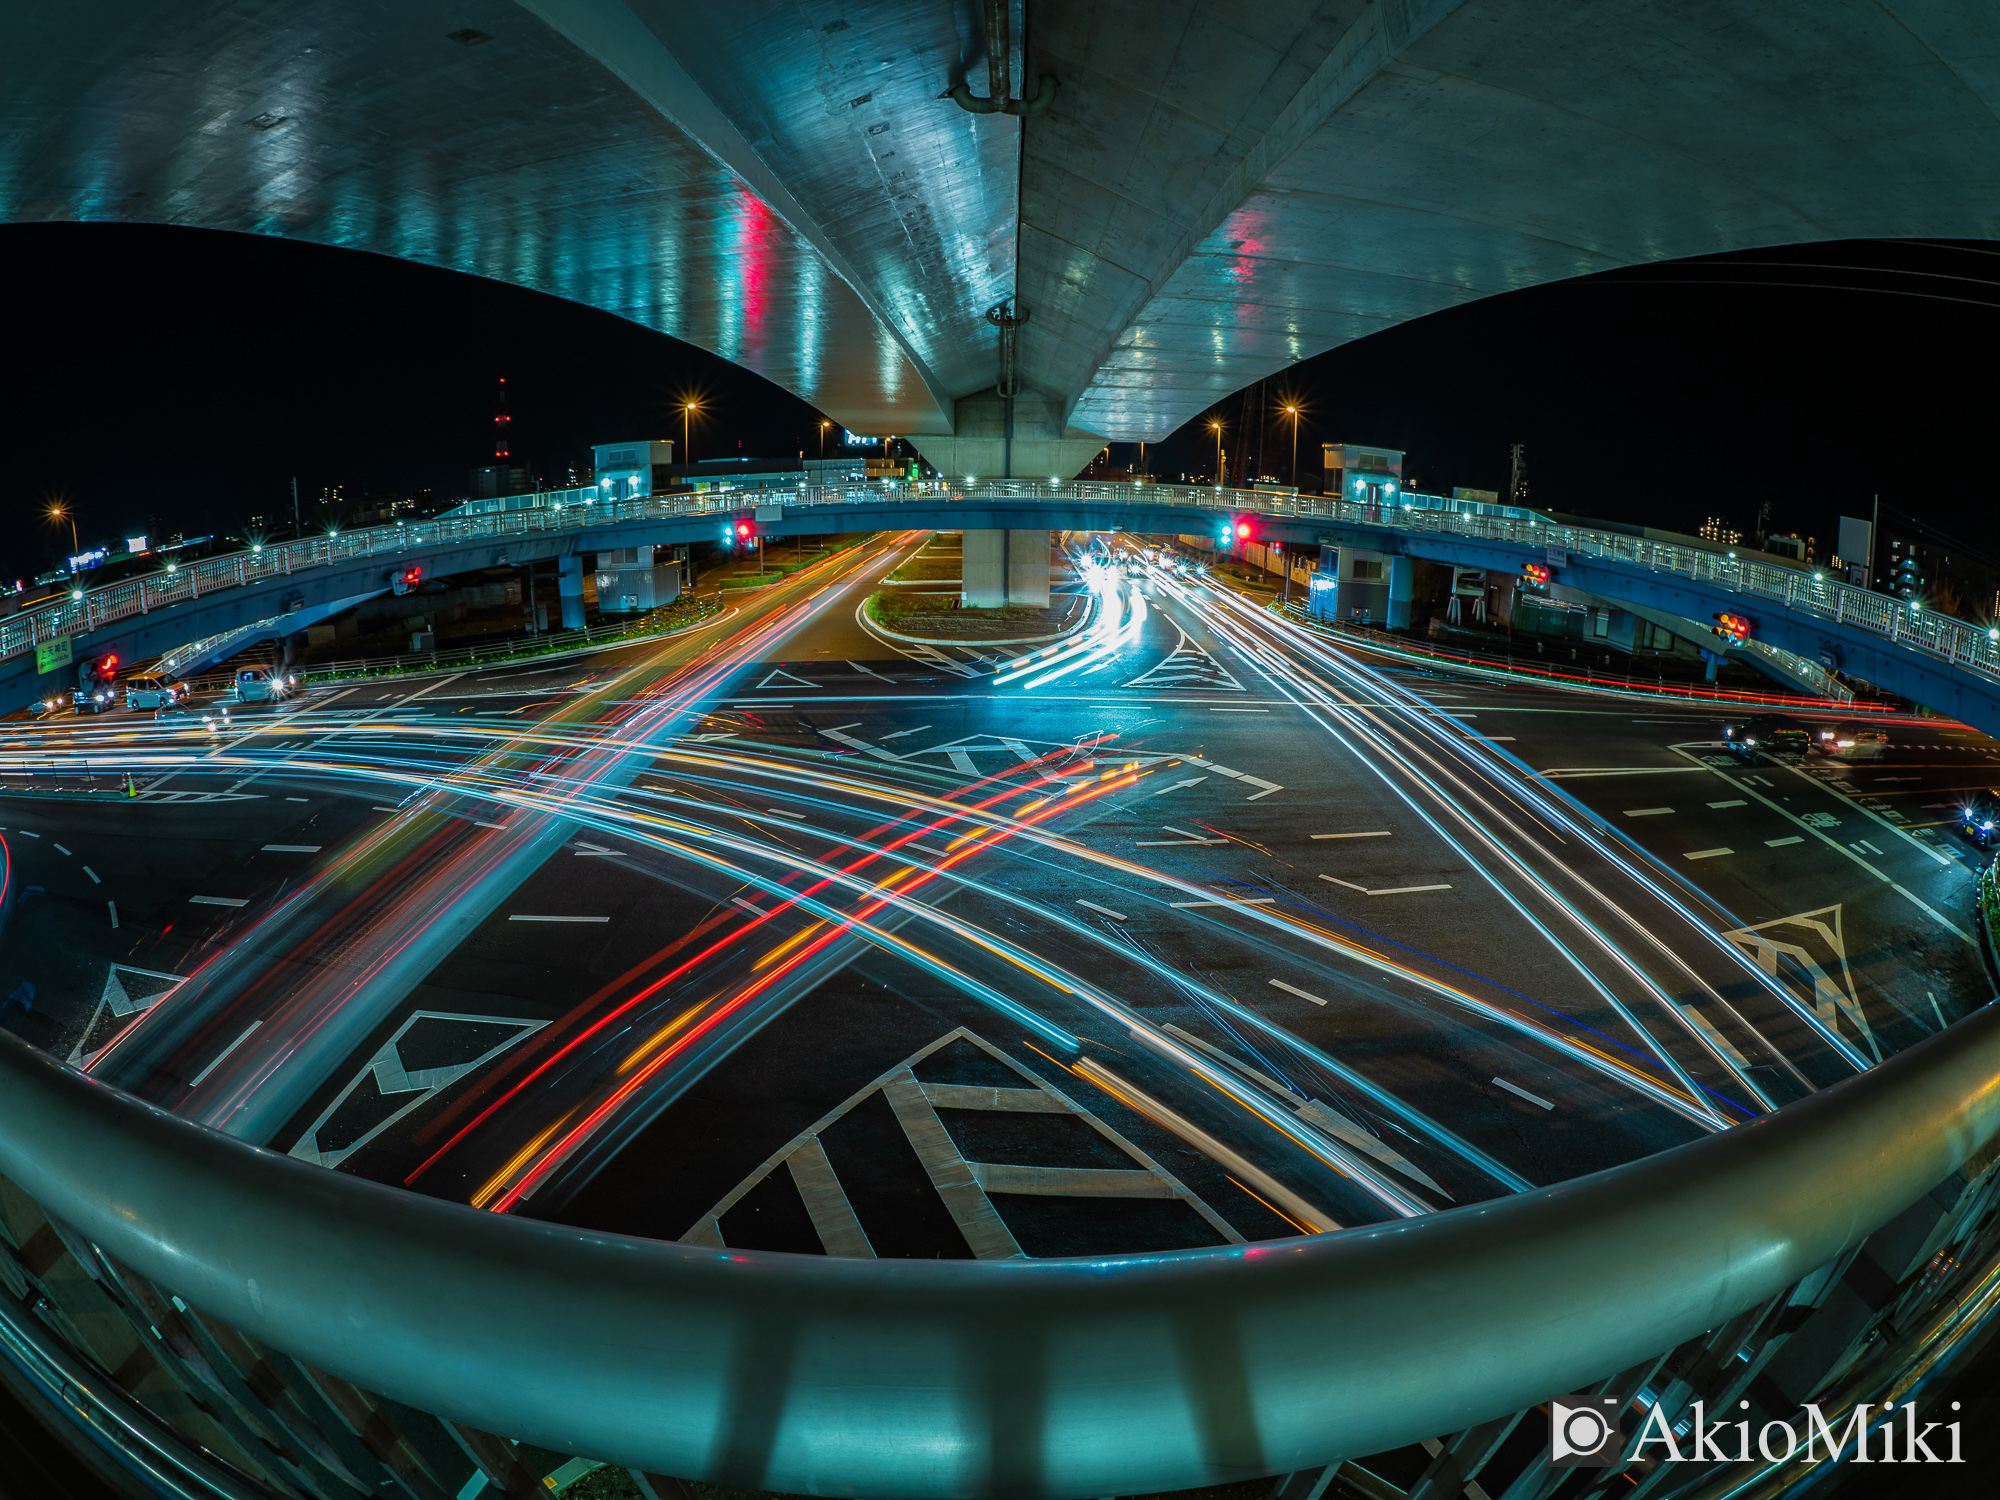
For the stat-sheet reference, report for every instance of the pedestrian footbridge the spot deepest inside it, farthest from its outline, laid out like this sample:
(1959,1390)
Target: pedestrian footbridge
(1827,626)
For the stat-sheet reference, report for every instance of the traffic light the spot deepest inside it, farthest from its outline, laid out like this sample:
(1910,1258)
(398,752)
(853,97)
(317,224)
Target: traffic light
(1535,575)
(1734,629)
(1242,531)
(746,529)
(407,581)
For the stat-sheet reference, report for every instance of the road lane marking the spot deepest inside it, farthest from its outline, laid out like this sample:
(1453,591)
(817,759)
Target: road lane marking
(1648,812)
(1708,853)
(61,850)
(1093,906)
(519,917)
(31,833)
(1292,989)
(1191,781)
(94,878)
(586,851)
(1260,796)
(748,905)
(1733,802)
(1780,843)
(1867,848)
(1380,833)
(1571,773)
(292,848)
(1239,710)
(1394,890)
(298,799)
(217,901)
(1247,901)
(224,1053)
(1520,1092)
(786,813)
(113,905)
(1171,843)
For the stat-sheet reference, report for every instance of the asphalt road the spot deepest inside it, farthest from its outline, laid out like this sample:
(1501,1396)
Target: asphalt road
(786,935)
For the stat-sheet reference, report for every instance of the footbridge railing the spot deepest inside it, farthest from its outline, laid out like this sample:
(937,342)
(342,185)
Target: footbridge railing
(1905,624)
(308,1314)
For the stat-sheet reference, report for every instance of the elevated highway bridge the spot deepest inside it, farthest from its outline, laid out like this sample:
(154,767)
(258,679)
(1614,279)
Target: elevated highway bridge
(1936,660)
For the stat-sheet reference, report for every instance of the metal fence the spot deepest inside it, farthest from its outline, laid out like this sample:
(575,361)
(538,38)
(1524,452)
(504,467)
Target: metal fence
(1908,625)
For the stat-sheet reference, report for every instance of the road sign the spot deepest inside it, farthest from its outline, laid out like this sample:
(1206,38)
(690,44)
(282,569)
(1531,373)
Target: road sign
(52,655)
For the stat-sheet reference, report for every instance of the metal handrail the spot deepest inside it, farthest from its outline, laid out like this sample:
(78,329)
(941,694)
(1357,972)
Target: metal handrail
(934,1379)
(1905,624)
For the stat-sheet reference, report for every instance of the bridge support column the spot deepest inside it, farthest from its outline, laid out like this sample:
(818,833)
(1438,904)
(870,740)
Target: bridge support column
(569,587)
(1361,587)
(1004,567)
(1402,581)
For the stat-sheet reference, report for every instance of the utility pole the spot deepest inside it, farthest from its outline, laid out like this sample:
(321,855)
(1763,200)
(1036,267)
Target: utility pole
(298,526)
(1874,522)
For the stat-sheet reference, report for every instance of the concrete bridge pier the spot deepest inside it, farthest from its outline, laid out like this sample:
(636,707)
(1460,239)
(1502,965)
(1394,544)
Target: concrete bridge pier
(1402,590)
(569,588)
(1004,567)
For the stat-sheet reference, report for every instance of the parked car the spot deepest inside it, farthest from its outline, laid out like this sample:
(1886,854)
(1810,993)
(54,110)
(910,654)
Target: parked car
(1767,734)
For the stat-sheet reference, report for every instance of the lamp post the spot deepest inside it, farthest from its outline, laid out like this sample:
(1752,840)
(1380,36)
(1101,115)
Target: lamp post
(61,512)
(822,440)
(688,409)
(1292,411)
(1215,426)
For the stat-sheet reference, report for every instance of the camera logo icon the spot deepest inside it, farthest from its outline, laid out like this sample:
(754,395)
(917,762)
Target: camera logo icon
(1583,1432)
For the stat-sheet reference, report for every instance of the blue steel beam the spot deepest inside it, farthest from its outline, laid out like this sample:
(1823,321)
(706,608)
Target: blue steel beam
(1898,666)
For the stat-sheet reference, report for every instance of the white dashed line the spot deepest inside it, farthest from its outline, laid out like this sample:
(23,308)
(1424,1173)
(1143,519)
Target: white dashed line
(1251,901)
(1107,911)
(61,850)
(1292,989)
(1522,1093)
(1780,843)
(1378,834)
(1708,853)
(292,848)
(1737,802)
(113,906)
(1649,812)
(518,917)
(95,879)
(217,901)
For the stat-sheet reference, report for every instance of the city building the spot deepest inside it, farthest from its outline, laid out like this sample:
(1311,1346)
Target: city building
(644,467)
(1371,475)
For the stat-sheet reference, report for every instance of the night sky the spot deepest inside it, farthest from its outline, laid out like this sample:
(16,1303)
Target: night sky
(177,379)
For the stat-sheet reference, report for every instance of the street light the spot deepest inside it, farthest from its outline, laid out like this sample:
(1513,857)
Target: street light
(1292,411)
(1215,426)
(60,512)
(688,409)
(822,440)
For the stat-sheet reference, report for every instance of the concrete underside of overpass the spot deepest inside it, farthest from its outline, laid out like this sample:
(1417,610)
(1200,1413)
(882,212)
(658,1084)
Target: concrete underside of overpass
(1902,670)
(1217,191)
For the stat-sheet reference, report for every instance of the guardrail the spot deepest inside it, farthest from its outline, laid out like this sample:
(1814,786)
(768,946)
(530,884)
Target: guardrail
(943,1379)
(1907,625)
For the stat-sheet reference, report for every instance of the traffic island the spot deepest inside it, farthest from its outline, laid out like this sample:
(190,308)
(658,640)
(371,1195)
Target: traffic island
(940,620)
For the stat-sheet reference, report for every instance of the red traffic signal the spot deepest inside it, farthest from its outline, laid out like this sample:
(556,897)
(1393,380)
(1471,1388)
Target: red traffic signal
(745,529)
(1535,573)
(1243,528)
(405,581)
(1732,628)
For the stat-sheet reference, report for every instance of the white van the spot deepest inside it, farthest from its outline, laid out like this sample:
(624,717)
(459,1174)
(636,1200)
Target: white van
(155,690)
(263,685)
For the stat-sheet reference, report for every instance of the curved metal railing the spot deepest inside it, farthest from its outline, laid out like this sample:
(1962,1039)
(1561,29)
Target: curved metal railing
(974,1378)
(1905,624)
